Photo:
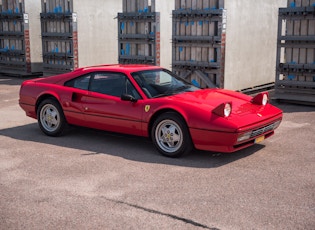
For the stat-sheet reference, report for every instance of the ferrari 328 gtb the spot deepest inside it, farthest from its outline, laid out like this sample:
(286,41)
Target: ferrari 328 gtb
(152,102)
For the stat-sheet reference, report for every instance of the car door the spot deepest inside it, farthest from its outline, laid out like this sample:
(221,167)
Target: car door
(73,99)
(104,109)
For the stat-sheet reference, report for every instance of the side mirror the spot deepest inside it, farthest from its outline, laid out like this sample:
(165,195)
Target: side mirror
(127,97)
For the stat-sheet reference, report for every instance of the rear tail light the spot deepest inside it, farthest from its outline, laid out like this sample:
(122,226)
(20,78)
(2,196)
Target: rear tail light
(261,99)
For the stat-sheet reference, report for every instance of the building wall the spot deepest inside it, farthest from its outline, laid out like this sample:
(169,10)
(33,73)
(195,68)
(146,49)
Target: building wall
(251,42)
(165,8)
(33,9)
(251,36)
(97,31)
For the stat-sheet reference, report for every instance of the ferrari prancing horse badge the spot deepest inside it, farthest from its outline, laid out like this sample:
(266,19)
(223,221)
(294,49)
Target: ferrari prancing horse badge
(147,108)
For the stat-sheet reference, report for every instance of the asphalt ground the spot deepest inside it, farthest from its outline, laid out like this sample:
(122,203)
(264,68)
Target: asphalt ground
(90,179)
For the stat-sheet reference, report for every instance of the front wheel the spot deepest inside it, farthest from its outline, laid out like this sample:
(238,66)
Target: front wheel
(170,135)
(50,117)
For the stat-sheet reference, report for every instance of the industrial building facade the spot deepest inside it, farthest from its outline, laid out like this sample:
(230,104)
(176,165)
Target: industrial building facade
(229,44)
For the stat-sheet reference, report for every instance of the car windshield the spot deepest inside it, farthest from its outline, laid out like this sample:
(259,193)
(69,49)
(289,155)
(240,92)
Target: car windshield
(160,83)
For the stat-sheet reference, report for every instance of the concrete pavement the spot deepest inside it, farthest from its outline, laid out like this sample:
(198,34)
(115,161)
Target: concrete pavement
(89,179)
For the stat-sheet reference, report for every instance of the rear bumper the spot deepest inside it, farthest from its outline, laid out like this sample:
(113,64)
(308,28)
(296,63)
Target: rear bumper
(29,110)
(228,141)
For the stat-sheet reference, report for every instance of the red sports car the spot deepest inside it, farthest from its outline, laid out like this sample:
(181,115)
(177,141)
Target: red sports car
(152,102)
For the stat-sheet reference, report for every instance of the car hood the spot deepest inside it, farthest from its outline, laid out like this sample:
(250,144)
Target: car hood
(214,97)
(244,112)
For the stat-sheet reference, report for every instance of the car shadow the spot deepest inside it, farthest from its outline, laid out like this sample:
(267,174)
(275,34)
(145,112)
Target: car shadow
(291,107)
(94,142)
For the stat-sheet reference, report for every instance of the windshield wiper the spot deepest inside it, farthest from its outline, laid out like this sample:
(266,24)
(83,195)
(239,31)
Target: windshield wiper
(164,94)
(181,88)
(172,91)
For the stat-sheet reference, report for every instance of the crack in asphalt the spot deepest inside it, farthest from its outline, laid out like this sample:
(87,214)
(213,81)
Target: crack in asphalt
(185,220)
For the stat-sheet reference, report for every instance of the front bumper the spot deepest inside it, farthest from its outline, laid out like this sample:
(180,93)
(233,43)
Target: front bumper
(231,141)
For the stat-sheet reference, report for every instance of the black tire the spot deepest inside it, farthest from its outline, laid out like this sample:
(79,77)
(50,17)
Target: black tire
(51,119)
(170,135)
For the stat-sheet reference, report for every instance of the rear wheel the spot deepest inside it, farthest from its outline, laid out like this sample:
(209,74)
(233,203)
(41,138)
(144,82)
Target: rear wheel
(170,135)
(50,117)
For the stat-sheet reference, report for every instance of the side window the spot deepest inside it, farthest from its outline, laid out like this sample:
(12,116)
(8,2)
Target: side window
(114,84)
(108,83)
(79,82)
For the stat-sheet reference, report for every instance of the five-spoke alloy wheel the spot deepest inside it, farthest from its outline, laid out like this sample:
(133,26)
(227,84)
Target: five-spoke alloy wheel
(170,135)
(50,117)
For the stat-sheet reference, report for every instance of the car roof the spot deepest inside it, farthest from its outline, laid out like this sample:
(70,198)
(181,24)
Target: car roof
(119,67)
(123,68)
